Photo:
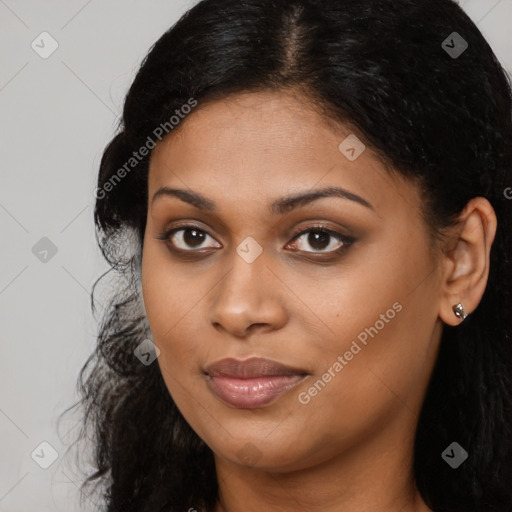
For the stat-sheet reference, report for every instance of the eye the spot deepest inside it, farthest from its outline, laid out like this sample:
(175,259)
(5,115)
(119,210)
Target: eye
(188,238)
(321,240)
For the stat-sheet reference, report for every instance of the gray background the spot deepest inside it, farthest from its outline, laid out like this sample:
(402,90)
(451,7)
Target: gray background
(57,115)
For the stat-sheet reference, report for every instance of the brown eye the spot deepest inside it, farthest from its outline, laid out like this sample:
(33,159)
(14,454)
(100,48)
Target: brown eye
(320,240)
(190,238)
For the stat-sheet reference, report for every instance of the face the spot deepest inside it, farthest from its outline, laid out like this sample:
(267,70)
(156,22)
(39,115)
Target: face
(288,283)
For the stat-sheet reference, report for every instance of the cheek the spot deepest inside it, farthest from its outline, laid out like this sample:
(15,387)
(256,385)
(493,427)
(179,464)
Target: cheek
(164,300)
(168,293)
(379,350)
(377,372)
(172,301)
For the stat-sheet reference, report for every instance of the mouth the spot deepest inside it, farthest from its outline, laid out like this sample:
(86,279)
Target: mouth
(251,383)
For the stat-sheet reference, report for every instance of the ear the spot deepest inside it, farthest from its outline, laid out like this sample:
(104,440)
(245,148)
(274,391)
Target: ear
(466,261)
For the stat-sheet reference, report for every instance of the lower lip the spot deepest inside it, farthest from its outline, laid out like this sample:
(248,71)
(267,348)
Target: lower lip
(254,392)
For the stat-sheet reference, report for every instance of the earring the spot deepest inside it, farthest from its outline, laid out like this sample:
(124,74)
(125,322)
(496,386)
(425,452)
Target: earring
(459,311)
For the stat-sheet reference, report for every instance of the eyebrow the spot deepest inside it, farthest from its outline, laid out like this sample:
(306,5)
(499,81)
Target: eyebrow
(278,207)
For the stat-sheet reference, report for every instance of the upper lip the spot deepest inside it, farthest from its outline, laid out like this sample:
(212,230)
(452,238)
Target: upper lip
(250,368)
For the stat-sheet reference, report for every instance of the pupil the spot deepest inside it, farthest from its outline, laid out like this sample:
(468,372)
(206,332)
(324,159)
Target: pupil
(319,239)
(196,239)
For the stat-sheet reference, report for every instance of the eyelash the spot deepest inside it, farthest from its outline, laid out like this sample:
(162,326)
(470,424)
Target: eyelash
(345,240)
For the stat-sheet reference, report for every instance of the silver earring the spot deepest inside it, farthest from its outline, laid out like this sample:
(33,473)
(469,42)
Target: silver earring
(459,311)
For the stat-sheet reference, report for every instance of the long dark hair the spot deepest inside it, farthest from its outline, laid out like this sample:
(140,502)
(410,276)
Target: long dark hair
(437,117)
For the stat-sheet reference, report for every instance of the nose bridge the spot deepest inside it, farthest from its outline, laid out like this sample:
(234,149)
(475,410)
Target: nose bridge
(242,288)
(245,296)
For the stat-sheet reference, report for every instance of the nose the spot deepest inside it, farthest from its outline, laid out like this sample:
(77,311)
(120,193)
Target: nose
(249,299)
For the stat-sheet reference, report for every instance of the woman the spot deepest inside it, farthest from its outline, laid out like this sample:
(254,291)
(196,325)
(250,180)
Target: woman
(306,207)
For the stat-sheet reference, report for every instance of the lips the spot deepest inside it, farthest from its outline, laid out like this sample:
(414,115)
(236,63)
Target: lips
(251,383)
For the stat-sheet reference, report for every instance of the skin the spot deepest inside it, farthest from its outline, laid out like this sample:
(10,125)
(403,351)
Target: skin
(350,447)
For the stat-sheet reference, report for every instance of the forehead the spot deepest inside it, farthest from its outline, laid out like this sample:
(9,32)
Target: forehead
(267,144)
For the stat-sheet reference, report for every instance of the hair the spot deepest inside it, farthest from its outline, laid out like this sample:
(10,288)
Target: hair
(443,122)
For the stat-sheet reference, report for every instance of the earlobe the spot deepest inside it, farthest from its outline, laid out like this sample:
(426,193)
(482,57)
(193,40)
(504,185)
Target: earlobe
(467,263)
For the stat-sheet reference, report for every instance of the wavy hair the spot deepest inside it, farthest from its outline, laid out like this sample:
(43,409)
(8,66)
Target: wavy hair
(442,121)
